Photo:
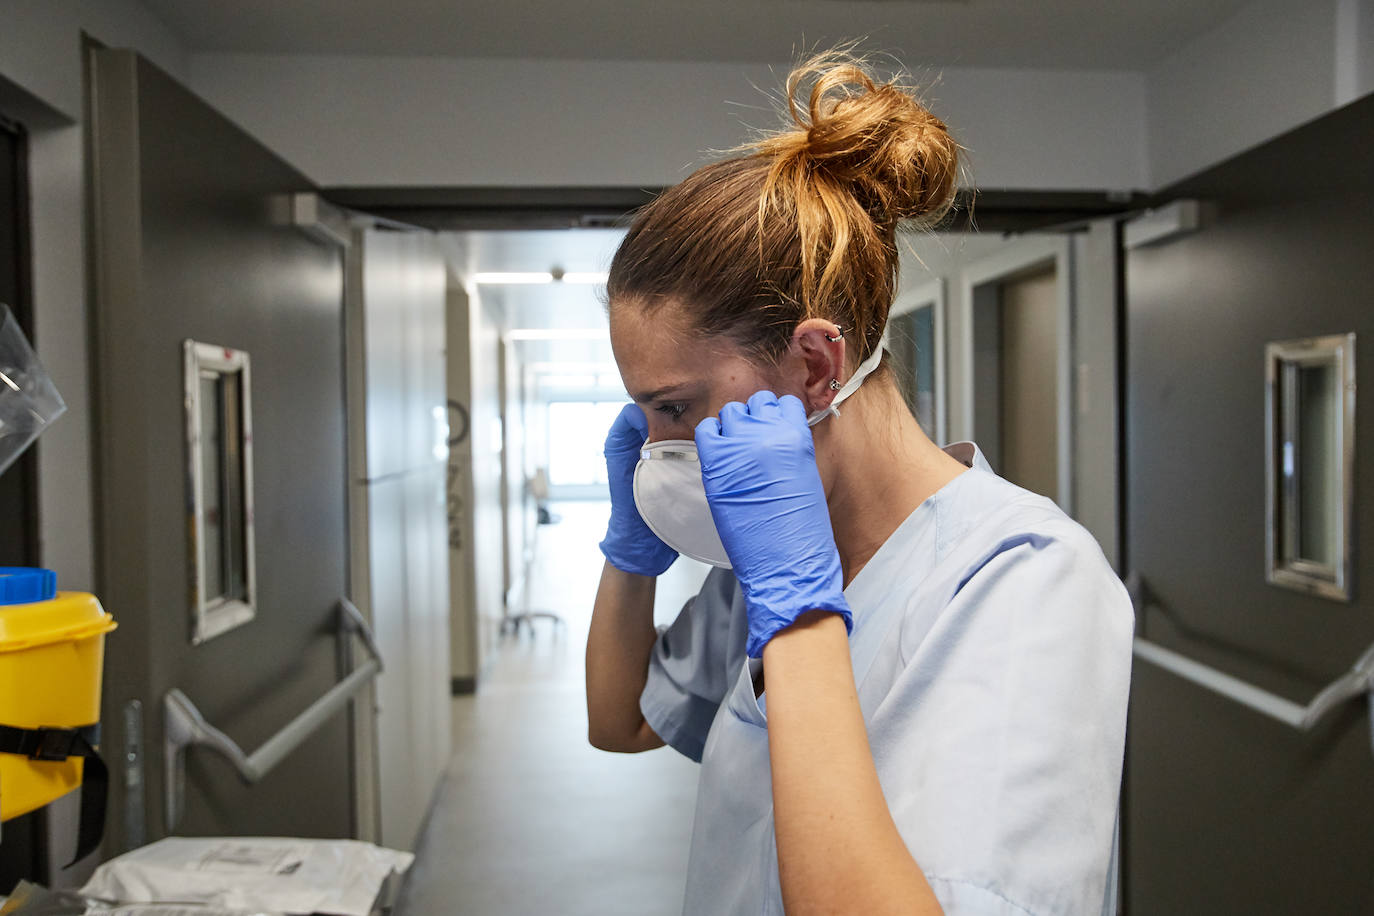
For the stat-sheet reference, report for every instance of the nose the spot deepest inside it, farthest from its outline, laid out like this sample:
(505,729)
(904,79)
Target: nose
(660,428)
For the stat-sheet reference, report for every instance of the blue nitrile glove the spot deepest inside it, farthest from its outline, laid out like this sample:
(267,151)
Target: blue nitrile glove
(758,462)
(630,545)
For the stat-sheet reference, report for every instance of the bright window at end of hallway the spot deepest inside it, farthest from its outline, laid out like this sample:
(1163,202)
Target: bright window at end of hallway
(577,430)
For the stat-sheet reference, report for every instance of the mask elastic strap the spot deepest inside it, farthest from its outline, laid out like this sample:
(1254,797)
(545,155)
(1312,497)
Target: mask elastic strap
(864,369)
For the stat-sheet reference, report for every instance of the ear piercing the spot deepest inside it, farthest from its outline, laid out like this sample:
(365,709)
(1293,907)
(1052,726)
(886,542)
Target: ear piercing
(839,335)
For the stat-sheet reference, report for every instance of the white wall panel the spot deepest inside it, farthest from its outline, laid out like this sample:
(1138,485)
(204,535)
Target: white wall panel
(404,290)
(488,543)
(402,807)
(462,570)
(443,121)
(1264,71)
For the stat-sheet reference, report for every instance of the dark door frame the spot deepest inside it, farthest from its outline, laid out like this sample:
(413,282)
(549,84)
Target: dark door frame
(25,851)
(27,466)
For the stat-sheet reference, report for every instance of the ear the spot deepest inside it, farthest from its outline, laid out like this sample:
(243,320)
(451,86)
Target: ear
(820,346)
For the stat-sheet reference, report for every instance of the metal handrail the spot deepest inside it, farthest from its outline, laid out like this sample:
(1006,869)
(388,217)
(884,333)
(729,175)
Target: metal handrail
(1358,681)
(186,727)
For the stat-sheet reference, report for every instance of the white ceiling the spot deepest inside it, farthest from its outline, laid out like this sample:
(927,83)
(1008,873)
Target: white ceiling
(550,306)
(1055,34)
(572,250)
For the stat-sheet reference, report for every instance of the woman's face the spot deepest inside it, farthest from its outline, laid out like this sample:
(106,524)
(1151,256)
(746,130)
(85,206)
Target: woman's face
(679,378)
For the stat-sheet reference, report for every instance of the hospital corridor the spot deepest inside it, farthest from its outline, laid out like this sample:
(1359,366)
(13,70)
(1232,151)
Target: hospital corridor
(529,816)
(729,457)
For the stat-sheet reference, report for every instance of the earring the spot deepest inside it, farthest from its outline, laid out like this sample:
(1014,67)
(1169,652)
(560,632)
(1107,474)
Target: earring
(835,384)
(839,335)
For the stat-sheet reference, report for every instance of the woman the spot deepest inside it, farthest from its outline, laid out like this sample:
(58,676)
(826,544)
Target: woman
(908,689)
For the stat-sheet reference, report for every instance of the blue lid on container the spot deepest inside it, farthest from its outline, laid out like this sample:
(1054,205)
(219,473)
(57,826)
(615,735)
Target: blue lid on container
(25,585)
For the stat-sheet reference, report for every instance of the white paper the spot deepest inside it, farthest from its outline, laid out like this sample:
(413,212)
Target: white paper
(253,874)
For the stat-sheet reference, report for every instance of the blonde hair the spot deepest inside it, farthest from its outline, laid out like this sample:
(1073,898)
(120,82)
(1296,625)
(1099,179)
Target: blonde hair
(803,223)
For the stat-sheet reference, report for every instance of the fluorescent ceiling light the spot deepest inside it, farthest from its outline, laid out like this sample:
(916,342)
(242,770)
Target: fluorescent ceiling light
(558,334)
(585,277)
(499,277)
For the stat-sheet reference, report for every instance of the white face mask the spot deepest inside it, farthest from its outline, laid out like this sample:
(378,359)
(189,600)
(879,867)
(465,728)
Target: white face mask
(671,497)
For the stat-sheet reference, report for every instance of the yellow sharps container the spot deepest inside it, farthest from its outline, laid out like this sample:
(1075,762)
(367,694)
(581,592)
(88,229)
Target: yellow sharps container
(52,648)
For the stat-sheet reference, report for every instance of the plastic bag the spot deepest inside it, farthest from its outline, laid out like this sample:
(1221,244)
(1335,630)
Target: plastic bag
(28,398)
(337,877)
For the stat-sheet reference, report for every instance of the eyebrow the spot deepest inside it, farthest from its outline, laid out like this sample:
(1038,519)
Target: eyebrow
(658,393)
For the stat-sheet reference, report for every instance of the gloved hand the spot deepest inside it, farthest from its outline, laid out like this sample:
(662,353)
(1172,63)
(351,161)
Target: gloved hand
(630,545)
(758,462)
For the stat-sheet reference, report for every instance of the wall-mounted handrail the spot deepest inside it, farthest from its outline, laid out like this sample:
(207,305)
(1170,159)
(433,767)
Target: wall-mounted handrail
(1358,681)
(186,727)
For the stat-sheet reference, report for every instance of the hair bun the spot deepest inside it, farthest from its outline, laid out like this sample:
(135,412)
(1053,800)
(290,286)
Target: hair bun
(895,157)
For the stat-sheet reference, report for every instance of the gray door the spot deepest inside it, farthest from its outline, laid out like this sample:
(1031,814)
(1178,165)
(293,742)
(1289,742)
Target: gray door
(1227,811)
(1017,361)
(186,244)
(1029,362)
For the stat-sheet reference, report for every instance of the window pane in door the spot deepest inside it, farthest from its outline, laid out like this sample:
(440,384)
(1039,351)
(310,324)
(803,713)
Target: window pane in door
(1319,490)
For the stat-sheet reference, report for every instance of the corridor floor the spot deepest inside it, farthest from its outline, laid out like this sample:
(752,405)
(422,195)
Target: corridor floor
(530,819)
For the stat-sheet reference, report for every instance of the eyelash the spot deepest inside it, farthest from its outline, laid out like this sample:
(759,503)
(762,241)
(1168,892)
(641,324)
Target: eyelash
(673,411)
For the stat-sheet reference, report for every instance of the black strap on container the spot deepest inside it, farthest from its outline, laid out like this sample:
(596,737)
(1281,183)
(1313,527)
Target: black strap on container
(55,745)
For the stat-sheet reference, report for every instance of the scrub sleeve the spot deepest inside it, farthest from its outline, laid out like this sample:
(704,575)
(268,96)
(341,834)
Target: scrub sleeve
(694,664)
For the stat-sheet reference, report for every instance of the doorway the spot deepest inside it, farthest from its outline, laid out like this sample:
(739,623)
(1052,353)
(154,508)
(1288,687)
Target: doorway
(1018,362)
(915,344)
(1026,405)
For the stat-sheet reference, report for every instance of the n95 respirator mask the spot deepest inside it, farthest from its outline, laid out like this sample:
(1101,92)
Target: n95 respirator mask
(671,495)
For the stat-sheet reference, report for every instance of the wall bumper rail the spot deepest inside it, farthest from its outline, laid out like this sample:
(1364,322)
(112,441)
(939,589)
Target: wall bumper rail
(185,727)
(1356,682)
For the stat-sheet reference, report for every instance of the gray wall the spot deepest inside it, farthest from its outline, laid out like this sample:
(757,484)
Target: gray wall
(41,74)
(1226,810)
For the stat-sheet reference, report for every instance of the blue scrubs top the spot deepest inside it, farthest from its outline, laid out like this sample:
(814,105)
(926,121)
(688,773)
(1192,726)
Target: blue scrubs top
(992,653)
